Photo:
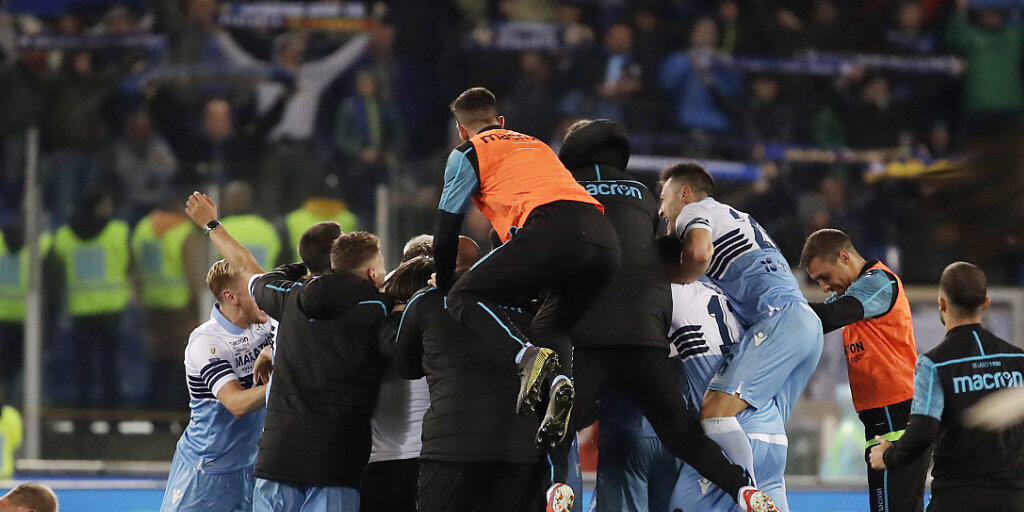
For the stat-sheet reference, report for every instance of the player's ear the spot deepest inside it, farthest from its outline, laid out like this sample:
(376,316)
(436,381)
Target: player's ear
(501,121)
(463,133)
(987,303)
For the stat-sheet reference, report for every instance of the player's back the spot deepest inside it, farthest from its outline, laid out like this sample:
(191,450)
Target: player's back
(518,173)
(746,264)
(218,352)
(704,330)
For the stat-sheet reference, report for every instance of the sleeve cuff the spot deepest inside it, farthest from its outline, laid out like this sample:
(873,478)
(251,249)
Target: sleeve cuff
(216,387)
(252,281)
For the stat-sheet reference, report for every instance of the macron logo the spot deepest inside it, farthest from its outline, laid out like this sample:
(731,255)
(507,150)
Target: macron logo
(605,189)
(983,381)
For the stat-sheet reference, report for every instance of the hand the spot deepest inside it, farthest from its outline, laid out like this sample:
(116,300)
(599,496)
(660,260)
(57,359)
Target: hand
(998,411)
(200,209)
(432,282)
(264,365)
(875,456)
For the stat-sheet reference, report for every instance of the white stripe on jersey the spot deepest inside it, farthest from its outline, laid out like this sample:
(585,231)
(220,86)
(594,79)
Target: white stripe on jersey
(702,324)
(219,352)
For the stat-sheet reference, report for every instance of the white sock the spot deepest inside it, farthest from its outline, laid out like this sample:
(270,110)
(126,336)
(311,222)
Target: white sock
(560,378)
(728,433)
(521,353)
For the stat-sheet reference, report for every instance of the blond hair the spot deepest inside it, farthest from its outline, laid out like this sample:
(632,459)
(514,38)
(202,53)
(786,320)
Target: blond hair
(222,276)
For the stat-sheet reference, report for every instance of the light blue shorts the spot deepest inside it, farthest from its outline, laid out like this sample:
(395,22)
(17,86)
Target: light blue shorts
(191,490)
(635,475)
(694,492)
(271,496)
(774,359)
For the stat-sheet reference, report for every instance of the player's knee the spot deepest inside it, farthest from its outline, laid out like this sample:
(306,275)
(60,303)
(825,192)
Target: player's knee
(721,405)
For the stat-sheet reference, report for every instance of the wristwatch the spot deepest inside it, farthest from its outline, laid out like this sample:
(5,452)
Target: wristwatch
(212,225)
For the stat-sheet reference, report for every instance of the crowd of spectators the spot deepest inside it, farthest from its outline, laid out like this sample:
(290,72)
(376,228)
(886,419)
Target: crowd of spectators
(298,113)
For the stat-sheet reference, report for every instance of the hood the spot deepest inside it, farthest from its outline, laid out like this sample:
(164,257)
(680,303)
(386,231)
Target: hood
(602,142)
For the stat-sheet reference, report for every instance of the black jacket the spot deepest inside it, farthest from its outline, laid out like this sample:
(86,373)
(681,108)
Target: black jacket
(636,307)
(473,385)
(970,364)
(328,370)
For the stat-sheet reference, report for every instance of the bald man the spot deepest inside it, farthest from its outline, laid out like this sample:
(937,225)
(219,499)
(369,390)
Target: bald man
(30,497)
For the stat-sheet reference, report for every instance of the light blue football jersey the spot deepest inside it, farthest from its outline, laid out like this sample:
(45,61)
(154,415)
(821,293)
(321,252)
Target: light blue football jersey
(218,352)
(746,264)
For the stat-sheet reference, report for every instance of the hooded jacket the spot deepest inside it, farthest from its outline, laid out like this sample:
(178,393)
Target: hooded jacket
(636,308)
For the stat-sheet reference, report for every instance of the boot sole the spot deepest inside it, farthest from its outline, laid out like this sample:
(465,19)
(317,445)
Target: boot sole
(544,368)
(555,427)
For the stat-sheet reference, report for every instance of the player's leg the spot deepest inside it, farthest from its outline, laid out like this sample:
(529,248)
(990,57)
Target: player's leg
(624,469)
(661,479)
(772,362)
(646,376)
(448,486)
(770,469)
(181,491)
(330,499)
(511,275)
(517,487)
(389,486)
(271,496)
(694,492)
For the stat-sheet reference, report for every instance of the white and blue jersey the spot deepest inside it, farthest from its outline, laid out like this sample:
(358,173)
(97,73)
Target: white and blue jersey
(746,265)
(213,460)
(704,329)
(777,354)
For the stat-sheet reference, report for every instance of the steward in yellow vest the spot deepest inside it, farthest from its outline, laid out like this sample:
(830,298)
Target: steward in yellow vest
(14,259)
(93,253)
(314,211)
(168,264)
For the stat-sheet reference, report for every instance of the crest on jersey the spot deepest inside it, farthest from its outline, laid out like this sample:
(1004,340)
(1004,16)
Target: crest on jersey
(704,484)
(213,351)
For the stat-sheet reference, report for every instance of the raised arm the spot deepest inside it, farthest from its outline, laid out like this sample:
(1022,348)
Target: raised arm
(203,212)
(461,181)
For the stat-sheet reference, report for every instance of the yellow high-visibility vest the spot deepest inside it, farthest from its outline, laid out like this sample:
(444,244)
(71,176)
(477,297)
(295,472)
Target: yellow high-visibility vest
(257,235)
(302,219)
(14,278)
(10,439)
(96,270)
(159,259)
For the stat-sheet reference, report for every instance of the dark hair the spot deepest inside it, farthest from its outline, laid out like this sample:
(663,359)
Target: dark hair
(576,126)
(352,250)
(825,243)
(691,174)
(33,495)
(409,277)
(475,105)
(315,246)
(419,245)
(965,286)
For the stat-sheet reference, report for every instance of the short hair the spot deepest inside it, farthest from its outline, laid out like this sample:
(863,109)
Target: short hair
(825,243)
(691,174)
(468,254)
(33,495)
(353,250)
(222,276)
(475,105)
(576,126)
(419,245)
(315,246)
(965,286)
(410,277)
